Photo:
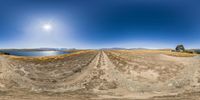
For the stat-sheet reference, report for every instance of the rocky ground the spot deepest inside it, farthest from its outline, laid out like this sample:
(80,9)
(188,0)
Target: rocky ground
(101,75)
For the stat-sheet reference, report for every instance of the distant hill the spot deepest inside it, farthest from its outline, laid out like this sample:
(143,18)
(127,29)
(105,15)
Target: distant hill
(138,49)
(116,48)
(39,49)
(113,48)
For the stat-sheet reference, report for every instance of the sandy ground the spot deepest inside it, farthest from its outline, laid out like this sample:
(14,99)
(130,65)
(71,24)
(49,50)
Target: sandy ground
(101,75)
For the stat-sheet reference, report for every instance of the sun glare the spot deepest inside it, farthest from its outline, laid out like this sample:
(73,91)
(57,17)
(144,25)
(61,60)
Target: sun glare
(47,27)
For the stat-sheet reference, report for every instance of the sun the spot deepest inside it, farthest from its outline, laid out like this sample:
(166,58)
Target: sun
(47,27)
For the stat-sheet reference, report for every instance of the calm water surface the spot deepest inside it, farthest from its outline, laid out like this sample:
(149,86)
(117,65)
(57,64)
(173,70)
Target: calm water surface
(34,53)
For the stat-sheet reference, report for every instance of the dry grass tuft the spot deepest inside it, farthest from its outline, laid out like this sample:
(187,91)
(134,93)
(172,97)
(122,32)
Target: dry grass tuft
(166,52)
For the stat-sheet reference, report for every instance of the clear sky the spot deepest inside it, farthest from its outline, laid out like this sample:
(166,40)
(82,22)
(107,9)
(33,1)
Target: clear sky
(99,23)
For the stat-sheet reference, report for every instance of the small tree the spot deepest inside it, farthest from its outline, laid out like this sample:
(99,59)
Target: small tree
(180,48)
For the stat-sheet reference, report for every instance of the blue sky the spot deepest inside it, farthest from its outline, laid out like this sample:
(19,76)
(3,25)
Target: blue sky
(99,23)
